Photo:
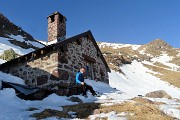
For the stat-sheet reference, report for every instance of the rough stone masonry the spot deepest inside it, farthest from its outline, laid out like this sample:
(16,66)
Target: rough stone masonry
(55,65)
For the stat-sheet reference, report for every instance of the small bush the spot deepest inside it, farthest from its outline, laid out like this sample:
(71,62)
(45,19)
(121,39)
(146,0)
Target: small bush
(8,55)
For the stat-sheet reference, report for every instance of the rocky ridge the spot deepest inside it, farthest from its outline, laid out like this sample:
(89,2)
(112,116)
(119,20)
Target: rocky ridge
(158,56)
(16,36)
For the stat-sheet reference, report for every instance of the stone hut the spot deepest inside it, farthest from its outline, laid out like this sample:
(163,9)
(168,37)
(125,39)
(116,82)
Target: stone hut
(57,63)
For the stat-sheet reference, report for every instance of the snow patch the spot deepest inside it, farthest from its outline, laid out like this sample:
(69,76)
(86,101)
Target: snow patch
(165,59)
(5,45)
(21,39)
(117,46)
(170,106)
(138,81)
(2,61)
(10,78)
(111,116)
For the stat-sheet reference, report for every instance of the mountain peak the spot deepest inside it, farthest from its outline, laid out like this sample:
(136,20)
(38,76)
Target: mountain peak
(158,44)
(158,41)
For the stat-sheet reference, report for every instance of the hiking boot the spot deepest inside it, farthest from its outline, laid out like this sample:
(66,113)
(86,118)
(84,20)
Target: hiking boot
(85,96)
(94,94)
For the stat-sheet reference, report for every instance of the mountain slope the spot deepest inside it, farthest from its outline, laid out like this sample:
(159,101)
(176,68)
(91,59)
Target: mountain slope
(157,56)
(12,36)
(120,101)
(136,71)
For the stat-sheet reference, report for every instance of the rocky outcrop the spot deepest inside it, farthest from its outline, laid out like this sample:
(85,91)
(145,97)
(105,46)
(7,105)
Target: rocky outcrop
(156,47)
(119,54)
(157,44)
(7,28)
(158,94)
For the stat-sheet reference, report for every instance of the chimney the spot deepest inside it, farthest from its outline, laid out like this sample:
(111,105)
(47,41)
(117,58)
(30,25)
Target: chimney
(56,27)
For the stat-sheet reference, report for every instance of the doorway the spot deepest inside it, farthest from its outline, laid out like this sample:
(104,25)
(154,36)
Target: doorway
(89,71)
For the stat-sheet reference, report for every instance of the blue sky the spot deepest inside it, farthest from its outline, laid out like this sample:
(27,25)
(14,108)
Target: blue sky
(119,21)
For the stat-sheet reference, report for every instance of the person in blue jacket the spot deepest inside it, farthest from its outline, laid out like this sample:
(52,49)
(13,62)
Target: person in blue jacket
(80,81)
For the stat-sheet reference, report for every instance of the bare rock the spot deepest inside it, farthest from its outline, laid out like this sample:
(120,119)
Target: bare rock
(158,94)
(143,100)
(75,99)
(96,111)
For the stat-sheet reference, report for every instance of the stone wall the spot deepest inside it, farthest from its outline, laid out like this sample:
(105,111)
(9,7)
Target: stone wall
(56,26)
(58,68)
(36,72)
(76,61)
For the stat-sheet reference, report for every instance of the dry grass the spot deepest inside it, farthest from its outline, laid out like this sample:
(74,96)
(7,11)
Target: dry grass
(142,109)
(172,77)
(82,110)
(101,118)
(161,65)
(50,113)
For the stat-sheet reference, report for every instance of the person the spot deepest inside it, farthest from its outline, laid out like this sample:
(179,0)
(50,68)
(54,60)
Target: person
(82,84)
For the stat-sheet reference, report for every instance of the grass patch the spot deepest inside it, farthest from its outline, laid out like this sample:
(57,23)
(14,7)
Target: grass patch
(173,77)
(50,113)
(82,110)
(161,65)
(142,109)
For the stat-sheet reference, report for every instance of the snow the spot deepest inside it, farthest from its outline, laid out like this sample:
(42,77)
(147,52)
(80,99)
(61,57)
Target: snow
(12,106)
(43,42)
(21,39)
(24,90)
(10,78)
(136,81)
(111,116)
(5,45)
(165,59)
(52,42)
(116,45)
(170,106)
(2,61)
(144,53)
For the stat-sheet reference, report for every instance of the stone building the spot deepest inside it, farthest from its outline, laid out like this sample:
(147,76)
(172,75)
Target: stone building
(58,62)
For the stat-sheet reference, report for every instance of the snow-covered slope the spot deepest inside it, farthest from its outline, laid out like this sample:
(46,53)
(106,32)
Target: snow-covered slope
(138,81)
(5,45)
(156,55)
(117,45)
(14,37)
(136,70)
(135,81)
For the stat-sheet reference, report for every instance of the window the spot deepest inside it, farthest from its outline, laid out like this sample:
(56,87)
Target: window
(61,18)
(52,18)
(87,68)
(78,41)
(61,49)
(42,51)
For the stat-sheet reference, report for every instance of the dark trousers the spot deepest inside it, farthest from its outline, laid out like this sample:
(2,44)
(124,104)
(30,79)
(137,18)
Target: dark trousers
(86,87)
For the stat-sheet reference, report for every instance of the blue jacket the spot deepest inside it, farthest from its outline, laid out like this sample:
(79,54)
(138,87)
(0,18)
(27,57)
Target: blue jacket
(79,78)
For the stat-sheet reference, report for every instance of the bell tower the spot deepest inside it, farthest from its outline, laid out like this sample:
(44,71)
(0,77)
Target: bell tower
(56,27)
